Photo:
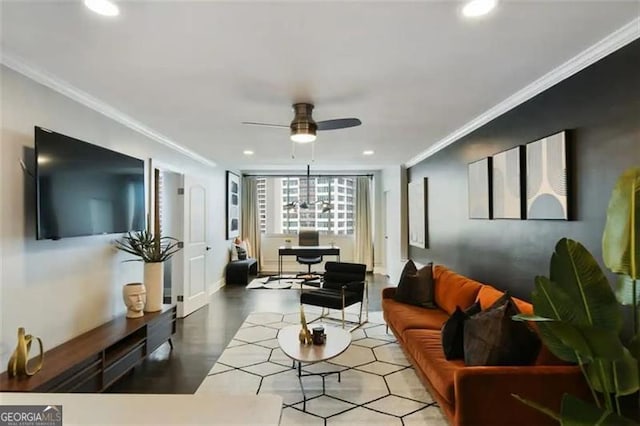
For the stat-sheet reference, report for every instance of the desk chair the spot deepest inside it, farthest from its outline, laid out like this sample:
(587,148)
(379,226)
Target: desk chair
(344,284)
(309,238)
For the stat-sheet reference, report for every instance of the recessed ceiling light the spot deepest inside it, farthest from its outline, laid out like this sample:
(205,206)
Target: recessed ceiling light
(368,152)
(247,152)
(103,7)
(476,8)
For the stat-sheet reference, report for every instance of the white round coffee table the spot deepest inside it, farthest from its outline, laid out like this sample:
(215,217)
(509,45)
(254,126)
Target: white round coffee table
(338,340)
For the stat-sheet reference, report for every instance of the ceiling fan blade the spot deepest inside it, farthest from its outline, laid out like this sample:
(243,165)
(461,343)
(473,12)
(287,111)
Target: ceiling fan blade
(251,123)
(338,123)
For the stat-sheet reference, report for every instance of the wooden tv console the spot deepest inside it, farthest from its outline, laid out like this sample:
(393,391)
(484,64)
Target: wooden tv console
(96,359)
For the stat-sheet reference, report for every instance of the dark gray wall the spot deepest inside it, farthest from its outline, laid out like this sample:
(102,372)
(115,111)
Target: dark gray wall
(601,108)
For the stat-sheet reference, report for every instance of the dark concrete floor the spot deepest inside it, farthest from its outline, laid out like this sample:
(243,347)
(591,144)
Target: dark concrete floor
(202,336)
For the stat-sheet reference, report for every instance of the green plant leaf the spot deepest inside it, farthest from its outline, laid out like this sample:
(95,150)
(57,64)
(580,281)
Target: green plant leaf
(621,377)
(620,244)
(576,412)
(147,247)
(590,342)
(634,347)
(623,288)
(549,412)
(550,301)
(576,272)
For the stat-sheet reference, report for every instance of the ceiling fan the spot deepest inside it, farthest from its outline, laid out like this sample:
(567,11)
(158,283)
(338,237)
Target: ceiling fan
(303,127)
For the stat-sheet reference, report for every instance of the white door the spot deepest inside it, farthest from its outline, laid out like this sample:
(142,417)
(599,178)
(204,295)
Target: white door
(387,227)
(195,252)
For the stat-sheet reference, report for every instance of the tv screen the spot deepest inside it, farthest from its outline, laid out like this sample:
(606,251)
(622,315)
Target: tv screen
(84,189)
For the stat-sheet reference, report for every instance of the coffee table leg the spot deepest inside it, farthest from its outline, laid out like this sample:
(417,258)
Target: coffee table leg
(304,395)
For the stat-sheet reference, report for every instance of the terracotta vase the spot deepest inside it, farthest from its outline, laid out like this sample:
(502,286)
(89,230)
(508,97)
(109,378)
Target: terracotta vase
(154,283)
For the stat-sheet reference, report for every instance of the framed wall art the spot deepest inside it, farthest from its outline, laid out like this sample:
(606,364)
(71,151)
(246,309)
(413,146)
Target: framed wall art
(479,175)
(418,208)
(547,188)
(233,205)
(507,184)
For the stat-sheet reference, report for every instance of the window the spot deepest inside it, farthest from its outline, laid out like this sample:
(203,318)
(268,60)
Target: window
(281,201)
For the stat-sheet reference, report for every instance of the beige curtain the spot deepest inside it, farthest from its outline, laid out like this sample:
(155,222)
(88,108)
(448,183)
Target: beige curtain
(364,239)
(250,216)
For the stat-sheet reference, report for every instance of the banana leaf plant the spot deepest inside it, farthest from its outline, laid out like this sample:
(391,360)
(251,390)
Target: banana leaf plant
(620,240)
(148,247)
(579,315)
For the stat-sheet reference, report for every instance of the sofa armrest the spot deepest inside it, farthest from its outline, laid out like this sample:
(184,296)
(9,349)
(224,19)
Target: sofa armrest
(483,394)
(388,292)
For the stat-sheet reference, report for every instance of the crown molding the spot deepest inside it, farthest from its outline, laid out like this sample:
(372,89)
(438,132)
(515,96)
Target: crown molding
(589,56)
(65,88)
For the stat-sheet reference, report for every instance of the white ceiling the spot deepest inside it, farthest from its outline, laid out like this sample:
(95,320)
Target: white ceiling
(413,72)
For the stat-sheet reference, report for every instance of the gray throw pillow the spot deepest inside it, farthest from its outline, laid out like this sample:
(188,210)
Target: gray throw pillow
(416,288)
(491,337)
(242,253)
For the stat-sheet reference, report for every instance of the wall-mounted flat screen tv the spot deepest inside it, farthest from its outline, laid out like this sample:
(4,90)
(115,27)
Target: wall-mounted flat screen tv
(83,189)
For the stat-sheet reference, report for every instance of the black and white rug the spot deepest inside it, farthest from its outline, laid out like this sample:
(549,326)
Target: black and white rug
(378,386)
(284,282)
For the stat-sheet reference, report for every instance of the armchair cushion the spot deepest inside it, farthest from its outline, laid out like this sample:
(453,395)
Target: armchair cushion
(329,298)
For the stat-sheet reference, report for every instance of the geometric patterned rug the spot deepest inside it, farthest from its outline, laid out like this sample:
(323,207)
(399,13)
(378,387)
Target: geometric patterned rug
(378,384)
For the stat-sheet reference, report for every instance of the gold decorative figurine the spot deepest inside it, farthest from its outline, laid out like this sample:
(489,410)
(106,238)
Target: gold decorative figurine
(18,363)
(304,335)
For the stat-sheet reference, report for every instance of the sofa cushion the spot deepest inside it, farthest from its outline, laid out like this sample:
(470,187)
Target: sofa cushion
(417,288)
(493,338)
(488,295)
(425,348)
(453,332)
(453,289)
(401,316)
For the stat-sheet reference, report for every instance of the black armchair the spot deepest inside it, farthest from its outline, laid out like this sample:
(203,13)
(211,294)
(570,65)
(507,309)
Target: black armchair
(344,284)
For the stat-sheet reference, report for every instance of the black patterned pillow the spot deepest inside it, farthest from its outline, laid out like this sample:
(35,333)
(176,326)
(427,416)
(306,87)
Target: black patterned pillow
(491,337)
(452,332)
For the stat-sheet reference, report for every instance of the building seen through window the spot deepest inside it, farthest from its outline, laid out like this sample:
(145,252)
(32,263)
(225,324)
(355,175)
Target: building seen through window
(280,200)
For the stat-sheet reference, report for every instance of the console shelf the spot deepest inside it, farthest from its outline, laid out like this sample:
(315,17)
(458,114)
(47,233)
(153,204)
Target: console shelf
(96,359)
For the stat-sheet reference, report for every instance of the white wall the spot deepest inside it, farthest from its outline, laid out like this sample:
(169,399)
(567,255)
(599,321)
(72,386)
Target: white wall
(378,224)
(394,183)
(59,289)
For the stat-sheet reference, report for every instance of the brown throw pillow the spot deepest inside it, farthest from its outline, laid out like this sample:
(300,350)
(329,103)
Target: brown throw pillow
(416,288)
(491,337)
(452,332)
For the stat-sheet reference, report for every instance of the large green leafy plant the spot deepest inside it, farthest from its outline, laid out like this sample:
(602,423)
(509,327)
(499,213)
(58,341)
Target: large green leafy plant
(580,318)
(148,247)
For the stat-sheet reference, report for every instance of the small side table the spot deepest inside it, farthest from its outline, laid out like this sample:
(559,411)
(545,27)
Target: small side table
(338,340)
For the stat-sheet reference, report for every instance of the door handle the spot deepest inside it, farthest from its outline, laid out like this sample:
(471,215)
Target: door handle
(208,248)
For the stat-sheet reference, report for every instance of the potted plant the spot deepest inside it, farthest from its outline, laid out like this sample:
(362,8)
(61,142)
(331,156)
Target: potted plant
(580,317)
(153,250)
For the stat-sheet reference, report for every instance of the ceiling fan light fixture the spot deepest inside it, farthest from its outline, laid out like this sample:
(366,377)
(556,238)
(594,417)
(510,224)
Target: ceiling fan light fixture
(303,128)
(303,137)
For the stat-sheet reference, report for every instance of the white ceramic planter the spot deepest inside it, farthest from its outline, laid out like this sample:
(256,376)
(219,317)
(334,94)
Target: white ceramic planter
(153,281)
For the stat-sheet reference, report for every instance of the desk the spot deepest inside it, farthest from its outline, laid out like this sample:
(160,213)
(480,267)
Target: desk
(306,251)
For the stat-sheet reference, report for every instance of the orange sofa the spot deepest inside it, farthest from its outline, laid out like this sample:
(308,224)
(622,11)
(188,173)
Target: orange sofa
(476,395)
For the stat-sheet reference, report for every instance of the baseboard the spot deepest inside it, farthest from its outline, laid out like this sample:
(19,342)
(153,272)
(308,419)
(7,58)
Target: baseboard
(380,270)
(216,286)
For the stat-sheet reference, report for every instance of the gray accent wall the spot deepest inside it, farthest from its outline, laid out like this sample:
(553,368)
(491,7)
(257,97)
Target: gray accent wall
(600,106)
